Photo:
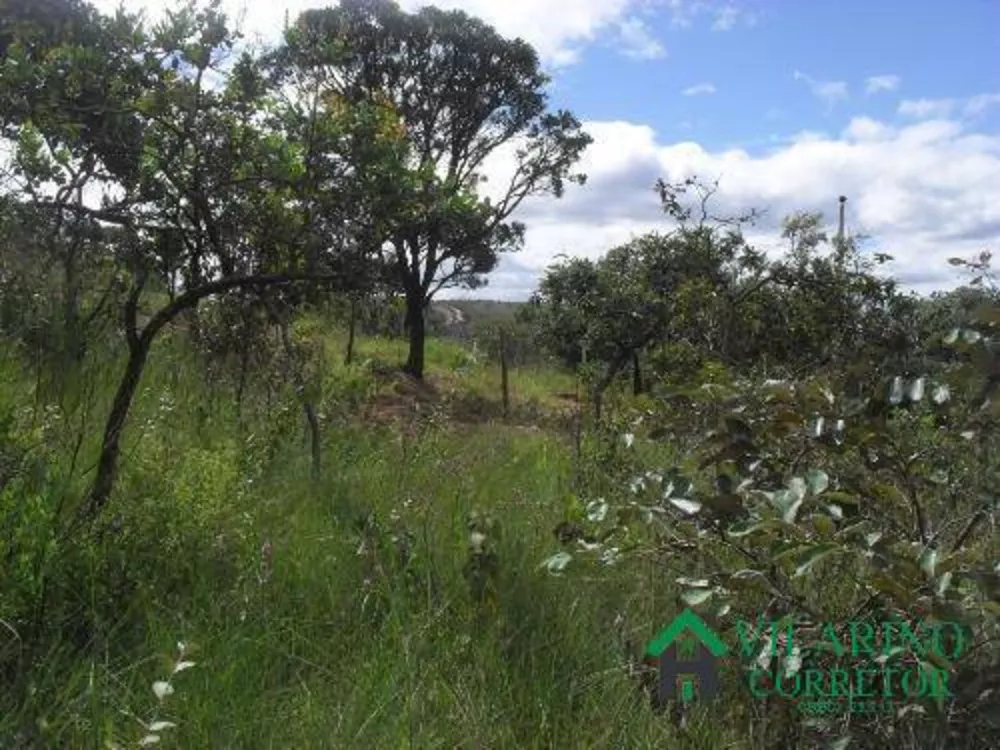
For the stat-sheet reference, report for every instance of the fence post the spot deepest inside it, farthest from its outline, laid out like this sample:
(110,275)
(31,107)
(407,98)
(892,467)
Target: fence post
(504,381)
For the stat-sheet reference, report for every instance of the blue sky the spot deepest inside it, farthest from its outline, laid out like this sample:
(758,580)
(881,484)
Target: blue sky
(789,103)
(928,49)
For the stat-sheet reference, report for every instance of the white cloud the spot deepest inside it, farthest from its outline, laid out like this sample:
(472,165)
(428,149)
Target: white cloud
(699,89)
(729,15)
(875,84)
(867,129)
(725,18)
(925,192)
(923,108)
(637,41)
(829,91)
(980,103)
(971,107)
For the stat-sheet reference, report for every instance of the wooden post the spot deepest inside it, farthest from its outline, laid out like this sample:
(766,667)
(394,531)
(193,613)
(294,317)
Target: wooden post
(504,381)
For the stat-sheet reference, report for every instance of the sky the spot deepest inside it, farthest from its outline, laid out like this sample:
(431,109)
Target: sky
(788,103)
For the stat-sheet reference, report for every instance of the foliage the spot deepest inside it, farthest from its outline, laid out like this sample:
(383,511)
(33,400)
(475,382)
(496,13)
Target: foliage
(806,501)
(441,232)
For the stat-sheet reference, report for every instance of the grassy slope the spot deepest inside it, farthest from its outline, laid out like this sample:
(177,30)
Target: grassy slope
(337,648)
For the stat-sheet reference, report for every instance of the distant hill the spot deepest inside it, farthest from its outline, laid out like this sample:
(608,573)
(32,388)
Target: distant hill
(461,318)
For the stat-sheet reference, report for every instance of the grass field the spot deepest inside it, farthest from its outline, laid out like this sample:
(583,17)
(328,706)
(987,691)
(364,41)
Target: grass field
(360,625)
(404,597)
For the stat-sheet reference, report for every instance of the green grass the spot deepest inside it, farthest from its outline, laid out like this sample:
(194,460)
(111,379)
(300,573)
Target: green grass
(340,646)
(370,620)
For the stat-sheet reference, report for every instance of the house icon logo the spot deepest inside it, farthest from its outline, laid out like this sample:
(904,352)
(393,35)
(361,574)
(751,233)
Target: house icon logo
(685,655)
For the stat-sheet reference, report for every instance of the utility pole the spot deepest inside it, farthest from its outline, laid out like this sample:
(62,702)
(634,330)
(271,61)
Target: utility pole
(840,226)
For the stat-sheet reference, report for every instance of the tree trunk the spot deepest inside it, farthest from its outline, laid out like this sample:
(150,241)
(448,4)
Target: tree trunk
(637,384)
(107,464)
(139,347)
(612,370)
(416,329)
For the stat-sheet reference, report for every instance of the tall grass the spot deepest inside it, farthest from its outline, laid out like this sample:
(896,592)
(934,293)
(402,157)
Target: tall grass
(329,614)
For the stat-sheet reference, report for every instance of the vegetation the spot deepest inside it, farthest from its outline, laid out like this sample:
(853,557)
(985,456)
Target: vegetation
(230,518)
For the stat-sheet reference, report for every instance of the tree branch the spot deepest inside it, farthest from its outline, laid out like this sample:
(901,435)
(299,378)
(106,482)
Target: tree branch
(193,296)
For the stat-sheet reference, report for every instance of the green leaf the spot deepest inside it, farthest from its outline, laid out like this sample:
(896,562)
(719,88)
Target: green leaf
(688,506)
(824,525)
(789,515)
(938,660)
(814,556)
(817,481)
(896,391)
(792,551)
(944,583)
(971,336)
(557,563)
(693,597)
(698,583)
(746,528)
(928,562)
(597,510)
(798,487)
(790,500)
(842,498)
(782,499)
(888,586)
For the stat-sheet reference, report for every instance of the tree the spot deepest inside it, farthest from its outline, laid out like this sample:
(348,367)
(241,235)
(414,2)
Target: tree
(205,192)
(461,92)
(654,289)
(837,313)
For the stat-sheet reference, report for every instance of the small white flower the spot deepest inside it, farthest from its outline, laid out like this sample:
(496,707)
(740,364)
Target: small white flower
(476,540)
(162,689)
